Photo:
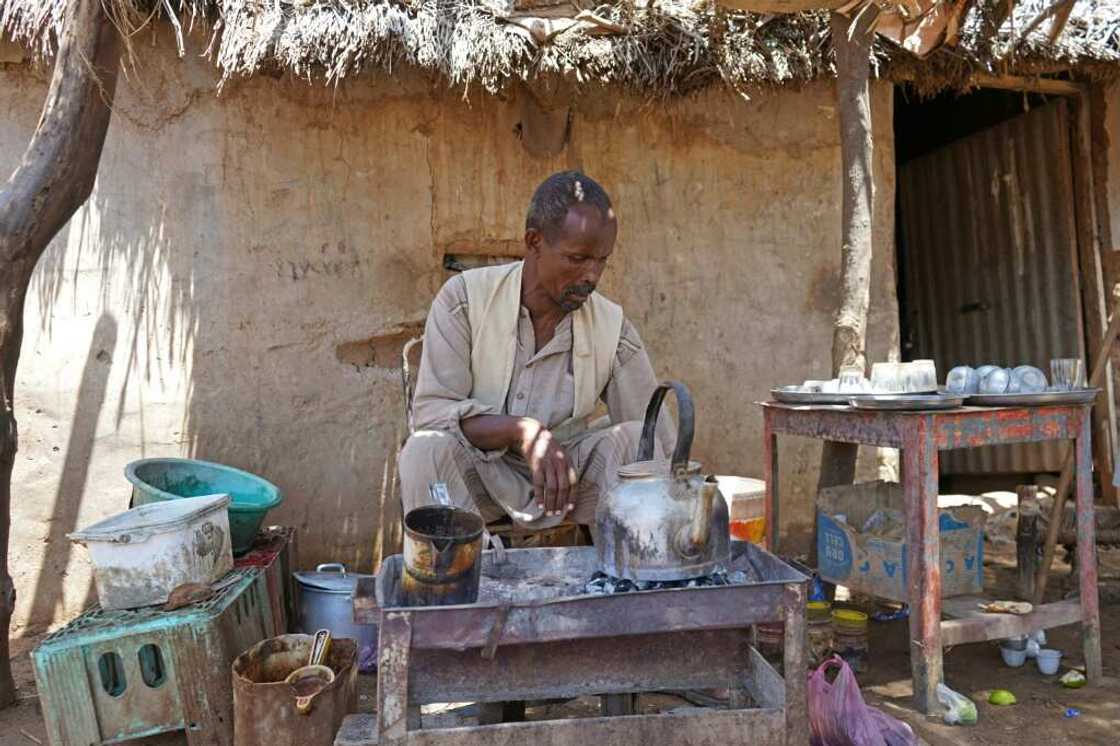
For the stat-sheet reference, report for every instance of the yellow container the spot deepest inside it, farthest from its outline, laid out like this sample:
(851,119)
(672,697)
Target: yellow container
(850,619)
(818,611)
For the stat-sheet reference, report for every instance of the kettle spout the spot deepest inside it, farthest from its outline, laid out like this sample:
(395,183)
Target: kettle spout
(700,527)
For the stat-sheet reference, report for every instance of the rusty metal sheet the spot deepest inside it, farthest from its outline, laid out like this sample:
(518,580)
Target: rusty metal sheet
(702,727)
(714,607)
(606,665)
(988,234)
(531,597)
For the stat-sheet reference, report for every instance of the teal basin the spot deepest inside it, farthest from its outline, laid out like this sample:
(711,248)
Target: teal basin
(156,479)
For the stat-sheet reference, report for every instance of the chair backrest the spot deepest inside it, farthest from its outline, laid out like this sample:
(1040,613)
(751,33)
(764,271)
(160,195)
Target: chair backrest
(408,377)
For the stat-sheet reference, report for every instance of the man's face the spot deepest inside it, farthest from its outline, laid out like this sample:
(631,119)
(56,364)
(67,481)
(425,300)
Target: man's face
(569,267)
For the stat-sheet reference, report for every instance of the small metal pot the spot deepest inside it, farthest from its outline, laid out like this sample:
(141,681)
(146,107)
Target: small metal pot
(326,601)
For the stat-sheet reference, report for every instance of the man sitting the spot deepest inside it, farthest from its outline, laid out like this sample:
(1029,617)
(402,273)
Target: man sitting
(515,360)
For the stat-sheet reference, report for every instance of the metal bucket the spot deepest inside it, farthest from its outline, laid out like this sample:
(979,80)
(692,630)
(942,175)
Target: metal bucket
(442,556)
(266,708)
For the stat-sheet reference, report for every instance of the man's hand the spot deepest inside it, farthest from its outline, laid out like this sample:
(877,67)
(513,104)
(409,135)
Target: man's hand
(553,475)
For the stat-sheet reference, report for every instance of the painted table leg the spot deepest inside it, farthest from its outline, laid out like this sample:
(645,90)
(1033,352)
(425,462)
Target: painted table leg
(794,667)
(770,474)
(924,560)
(1087,554)
(395,641)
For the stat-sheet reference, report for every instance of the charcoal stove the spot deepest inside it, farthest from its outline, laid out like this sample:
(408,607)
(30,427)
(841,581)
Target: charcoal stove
(537,632)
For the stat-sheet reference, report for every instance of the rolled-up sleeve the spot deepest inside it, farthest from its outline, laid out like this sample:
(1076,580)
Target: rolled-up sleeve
(632,384)
(444,383)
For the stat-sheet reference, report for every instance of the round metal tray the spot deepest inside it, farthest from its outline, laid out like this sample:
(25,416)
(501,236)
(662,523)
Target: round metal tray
(908,402)
(1077,396)
(794,395)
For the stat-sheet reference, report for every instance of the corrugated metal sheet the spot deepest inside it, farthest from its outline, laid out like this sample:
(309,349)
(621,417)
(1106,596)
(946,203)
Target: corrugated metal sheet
(990,257)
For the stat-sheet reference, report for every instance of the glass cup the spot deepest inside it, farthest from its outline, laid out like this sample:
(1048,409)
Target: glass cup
(886,378)
(921,376)
(851,380)
(1067,373)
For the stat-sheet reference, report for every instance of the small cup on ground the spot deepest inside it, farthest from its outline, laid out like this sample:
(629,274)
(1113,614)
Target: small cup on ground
(1012,657)
(1048,661)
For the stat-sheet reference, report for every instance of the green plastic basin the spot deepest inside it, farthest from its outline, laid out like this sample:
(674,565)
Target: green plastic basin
(251,497)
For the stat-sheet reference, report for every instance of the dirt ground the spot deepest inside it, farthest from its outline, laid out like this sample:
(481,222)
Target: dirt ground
(973,670)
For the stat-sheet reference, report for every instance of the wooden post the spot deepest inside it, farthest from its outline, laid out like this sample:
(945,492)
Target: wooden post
(923,538)
(849,332)
(53,179)
(1027,550)
(1088,591)
(1094,306)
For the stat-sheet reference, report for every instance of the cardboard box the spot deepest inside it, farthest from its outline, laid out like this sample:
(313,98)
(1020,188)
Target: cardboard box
(875,562)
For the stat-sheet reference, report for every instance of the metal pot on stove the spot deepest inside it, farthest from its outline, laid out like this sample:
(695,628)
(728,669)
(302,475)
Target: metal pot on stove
(663,521)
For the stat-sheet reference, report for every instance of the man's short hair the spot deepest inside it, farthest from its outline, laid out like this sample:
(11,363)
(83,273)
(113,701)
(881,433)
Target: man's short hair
(558,194)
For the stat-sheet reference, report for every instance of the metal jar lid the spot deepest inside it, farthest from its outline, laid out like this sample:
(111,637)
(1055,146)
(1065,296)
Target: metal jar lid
(330,577)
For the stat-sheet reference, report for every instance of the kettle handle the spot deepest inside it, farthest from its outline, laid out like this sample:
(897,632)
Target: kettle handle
(685,427)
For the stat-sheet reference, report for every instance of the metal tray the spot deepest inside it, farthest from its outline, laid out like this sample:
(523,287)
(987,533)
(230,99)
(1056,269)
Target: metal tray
(793,395)
(1077,396)
(908,402)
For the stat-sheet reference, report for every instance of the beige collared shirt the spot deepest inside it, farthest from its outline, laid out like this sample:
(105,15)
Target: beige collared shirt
(541,387)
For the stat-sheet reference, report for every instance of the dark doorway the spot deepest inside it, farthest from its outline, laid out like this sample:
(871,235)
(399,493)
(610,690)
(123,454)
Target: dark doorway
(987,247)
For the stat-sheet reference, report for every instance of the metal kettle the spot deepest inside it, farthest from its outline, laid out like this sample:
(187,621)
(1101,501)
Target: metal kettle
(663,522)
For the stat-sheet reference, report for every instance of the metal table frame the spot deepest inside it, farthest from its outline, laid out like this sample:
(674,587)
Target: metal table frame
(921,436)
(569,646)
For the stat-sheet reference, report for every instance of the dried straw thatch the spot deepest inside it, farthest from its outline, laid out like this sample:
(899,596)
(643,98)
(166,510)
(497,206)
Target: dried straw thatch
(655,47)
(1027,42)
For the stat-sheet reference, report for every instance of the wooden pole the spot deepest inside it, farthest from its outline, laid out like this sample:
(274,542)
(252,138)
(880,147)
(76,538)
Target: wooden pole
(1026,541)
(54,178)
(849,331)
(1066,480)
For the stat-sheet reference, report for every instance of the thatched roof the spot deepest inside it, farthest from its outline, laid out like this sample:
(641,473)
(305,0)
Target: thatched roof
(656,47)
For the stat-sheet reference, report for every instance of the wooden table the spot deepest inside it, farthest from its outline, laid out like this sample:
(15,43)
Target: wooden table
(921,436)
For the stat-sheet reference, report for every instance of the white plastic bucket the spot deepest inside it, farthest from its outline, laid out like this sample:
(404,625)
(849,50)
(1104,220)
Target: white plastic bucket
(141,555)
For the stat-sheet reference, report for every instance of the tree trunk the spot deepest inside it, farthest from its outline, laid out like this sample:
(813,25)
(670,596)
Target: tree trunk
(54,178)
(849,332)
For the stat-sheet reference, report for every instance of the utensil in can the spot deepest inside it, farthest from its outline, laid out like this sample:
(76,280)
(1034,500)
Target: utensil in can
(307,681)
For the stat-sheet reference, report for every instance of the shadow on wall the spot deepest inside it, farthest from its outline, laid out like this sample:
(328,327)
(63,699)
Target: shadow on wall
(233,324)
(47,598)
